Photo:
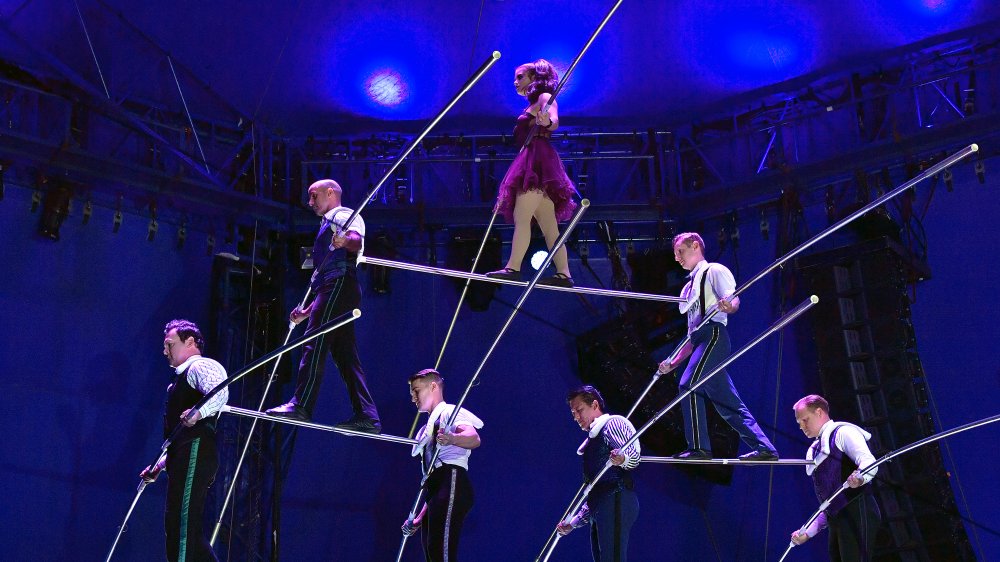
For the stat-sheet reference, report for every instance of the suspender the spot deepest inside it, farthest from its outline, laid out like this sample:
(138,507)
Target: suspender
(701,295)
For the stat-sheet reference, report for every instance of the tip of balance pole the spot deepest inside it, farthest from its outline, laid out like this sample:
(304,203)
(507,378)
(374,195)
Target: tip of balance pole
(814,299)
(585,202)
(974,147)
(496,55)
(361,259)
(356,313)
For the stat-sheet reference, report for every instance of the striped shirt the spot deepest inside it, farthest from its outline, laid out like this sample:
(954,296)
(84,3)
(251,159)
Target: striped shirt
(619,430)
(204,375)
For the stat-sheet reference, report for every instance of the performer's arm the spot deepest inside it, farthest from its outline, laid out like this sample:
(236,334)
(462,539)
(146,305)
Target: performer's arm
(205,376)
(548,120)
(354,238)
(581,518)
(724,285)
(853,443)
(350,240)
(465,436)
(618,430)
(410,526)
(798,537)
(666,366)
(150,473)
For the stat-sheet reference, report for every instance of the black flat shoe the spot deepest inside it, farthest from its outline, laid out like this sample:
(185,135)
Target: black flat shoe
(558,280)
(759,456)
(507,274)
(364,425)
(693,454)
(289,410)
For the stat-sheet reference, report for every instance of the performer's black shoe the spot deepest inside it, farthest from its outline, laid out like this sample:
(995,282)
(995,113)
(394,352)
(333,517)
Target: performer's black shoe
(289,410)
(507,274)
(362,424)
(694,454)
(557,280)
(760,456)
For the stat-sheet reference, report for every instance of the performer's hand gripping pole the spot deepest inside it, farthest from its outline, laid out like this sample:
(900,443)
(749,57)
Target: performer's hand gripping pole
(933,170)
(574,507)
(902,450)
(253,426)
(472,381)
(272,356)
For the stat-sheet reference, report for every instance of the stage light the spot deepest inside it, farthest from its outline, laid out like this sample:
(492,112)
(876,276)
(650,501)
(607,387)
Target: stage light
(948,178)
(55,208)
(765,226)
(2,187)
(88,210)
(538,258)
(210,245)
(386,87)
(36,200)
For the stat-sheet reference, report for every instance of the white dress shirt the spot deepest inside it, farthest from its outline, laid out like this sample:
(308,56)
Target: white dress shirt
(338,216)
(447,454)
(720,281)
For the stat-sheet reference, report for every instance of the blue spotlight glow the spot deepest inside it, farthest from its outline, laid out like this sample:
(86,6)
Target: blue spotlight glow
(386,87)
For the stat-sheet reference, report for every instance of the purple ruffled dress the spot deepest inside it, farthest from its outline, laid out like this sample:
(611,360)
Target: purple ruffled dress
(537,167)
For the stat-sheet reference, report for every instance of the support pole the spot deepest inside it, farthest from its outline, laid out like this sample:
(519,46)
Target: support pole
(253,427)
(936,168)
(574,507)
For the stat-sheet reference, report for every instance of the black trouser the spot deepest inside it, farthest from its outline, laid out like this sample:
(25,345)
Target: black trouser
(190,471)
(449,499)
(611,517)
(711,348)
(852,530)
(344,296)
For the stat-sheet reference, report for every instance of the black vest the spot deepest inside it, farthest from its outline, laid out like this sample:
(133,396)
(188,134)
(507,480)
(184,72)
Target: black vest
(329,265)
(180,397)
(831,474)
(595,454)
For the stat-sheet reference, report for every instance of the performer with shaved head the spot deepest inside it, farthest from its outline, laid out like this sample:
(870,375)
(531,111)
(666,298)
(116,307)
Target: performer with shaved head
(335,283)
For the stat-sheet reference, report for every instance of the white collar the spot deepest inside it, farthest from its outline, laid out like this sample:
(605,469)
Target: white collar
(703,264)
(328,216)
(436,413)
(598,424)
(180,368)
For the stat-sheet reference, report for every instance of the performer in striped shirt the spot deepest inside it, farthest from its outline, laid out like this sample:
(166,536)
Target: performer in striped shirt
(448,488)
(192,459)
(612,506)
